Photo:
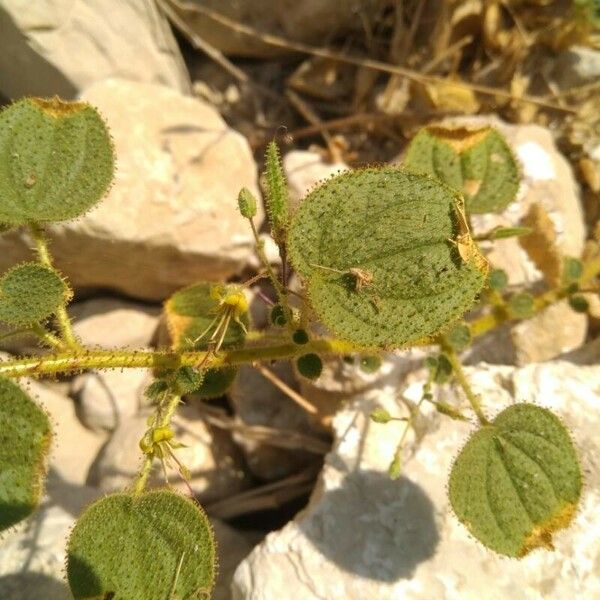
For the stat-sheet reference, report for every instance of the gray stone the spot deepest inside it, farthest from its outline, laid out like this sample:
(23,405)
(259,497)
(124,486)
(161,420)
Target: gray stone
(62,46)
(215,467)
(366,536)
(256,401)
(232,547)
(308,21)
(171,217)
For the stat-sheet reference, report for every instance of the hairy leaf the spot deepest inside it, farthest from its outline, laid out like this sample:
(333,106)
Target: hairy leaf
(25,439)
(154,546)
(517,481)
(387,256)
(475,161)
(56,160)
(30,293)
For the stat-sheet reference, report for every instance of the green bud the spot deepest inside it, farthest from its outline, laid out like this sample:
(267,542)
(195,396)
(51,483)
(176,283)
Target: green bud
(300,337)
(572,270)
(370,364)
(247,203)
(278,316)
(579,304)
(380,415)
(497,279)
(521,305)
(310,366)
(459,337)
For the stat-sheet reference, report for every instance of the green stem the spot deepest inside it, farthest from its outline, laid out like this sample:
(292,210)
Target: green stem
(46,336)
(279,288)
(69,362)
(142,476)
(80,359)
(62,317)
(465,385)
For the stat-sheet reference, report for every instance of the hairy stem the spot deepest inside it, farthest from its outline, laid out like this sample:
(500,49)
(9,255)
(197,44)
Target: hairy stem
(473,398)
(62,317)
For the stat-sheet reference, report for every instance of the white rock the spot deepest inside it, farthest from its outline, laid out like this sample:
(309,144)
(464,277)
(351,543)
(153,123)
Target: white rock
(114,323)
(104,398)
(209,455)
(74,448)
(62,46)
(304,170)
(366,536)
(308,21)
(171,217)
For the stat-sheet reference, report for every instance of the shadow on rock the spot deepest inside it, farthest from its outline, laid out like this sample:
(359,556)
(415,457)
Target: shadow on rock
(373,526)
(32,586)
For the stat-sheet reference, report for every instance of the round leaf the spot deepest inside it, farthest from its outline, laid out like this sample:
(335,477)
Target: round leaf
(154,546)
(387,256)
(56,160)
(24,445)
(476,161)
(30,293)
(517,481)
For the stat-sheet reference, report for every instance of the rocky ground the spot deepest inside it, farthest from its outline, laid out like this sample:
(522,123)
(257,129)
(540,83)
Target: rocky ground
(189,133)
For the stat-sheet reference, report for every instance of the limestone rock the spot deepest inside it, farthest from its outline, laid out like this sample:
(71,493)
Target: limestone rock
(309,21)
(74,448)
(304,169)
(62,46)
(104,398)
(114,323)
(209,455)
(171,217)
(366,536)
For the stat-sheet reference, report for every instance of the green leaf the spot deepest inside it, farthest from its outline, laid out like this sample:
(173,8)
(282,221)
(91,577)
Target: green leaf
(517,481)
(277,194)
(476,161)
(215,383)
(500,233)
(154,546)
(25,440)
(56,160)
(387,256)
(30,293)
